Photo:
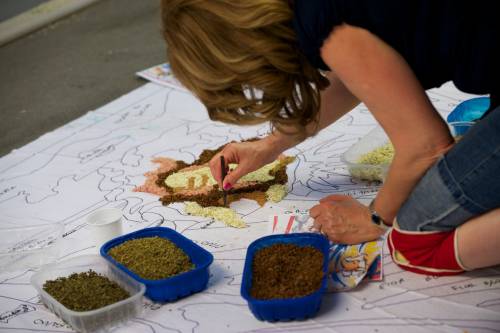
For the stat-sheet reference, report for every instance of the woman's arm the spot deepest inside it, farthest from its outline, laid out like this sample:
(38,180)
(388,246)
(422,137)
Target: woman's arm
(381,78)
(336,100)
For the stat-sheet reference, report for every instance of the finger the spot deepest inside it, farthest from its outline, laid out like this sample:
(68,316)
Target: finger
(315,211)
(335,197)
(240,171)
(331,235)
(215,168)
(331,224)
(317,226)
(321,226)
(231,156)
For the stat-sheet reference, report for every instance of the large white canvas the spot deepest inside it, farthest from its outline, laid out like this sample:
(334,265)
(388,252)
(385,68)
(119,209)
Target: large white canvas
(96,161)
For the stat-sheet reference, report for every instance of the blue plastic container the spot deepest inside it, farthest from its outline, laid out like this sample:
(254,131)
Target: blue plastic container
(469,110)
(174,287)
(459,128)
(285,309)
(466,113)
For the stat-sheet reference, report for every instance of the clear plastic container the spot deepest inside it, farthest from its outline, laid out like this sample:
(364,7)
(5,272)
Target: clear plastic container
(29,246)
(100,320)
(374,139)
(377,138)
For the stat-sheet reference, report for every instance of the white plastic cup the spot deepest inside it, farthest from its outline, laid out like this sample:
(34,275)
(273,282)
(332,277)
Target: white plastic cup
(104,224)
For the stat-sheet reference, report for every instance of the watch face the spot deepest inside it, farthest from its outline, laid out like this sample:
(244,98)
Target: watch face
(376,219)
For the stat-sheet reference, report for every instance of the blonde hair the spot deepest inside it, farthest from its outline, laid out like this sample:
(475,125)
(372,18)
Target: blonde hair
(240,58)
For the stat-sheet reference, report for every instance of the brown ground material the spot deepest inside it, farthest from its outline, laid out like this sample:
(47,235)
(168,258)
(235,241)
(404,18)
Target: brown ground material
(207,155)
(207,196)
(286,271)
(85,291)
(258,196)
(214,198)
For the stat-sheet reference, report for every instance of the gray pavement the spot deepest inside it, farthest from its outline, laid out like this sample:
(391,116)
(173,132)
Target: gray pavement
(11,8)
(75,65)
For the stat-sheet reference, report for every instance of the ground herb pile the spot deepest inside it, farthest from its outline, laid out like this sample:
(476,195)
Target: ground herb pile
(85,291)
(152,258)
(381,155)
(286,271)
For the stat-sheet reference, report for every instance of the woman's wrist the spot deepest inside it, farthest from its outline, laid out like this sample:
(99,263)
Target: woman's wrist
(378,207)
(376,218)
(404,173)
(281,142)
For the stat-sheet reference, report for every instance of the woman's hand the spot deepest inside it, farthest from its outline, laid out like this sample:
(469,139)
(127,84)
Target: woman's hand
(249,155)
(344,220)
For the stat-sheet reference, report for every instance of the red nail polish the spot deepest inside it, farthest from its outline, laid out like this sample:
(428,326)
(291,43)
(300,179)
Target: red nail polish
(227,186)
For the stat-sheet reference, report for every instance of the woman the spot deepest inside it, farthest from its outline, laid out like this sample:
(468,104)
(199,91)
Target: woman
(262,60)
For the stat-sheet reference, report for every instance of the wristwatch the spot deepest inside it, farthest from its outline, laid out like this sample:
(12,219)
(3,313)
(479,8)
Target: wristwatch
(377,219)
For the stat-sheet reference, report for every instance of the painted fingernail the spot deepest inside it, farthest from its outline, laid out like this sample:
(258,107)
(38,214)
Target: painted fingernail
(227,186)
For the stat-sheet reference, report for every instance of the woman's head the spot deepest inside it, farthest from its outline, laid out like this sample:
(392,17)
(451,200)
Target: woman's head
(240,58)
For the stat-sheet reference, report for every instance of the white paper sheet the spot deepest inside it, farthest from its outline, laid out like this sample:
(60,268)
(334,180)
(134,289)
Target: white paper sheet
(162,75)
(96,161)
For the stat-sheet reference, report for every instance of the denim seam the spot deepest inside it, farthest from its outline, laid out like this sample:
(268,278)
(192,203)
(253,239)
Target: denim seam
(478,167)
(456,191)
(436,219)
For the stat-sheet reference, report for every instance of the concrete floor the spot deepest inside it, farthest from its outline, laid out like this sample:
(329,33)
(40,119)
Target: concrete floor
(75,65)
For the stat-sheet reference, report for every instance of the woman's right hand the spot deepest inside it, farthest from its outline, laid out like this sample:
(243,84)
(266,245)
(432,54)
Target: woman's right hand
(249,155)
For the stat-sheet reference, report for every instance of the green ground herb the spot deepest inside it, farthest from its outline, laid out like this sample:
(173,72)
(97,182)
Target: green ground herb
(85,291)
(286,271)
(381,155)
(152,258)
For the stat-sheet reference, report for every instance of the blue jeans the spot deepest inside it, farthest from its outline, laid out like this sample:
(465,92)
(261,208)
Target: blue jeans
(464,183)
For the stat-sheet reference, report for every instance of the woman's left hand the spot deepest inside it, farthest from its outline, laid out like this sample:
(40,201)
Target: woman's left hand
(344,220)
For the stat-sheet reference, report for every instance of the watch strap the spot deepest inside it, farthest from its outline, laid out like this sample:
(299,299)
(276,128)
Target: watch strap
(376,218)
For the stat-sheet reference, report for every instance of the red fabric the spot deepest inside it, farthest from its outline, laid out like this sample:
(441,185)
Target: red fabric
(425,253)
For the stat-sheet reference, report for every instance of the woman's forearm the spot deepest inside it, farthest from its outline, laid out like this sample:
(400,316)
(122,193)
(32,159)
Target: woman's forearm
(403,175)
(336,101)
(389,88)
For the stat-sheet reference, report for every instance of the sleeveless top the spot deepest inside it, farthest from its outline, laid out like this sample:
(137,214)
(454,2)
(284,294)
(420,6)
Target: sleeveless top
(441,40)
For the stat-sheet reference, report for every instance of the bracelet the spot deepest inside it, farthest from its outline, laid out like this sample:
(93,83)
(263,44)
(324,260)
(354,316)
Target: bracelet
(376,218)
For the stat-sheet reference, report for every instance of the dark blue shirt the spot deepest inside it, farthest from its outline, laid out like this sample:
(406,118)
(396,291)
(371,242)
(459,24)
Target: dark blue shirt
(441,40)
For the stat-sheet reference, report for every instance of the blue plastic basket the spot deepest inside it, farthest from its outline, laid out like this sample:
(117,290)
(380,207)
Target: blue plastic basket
(469,110)
(285,309)
(175,287)
(463,116)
